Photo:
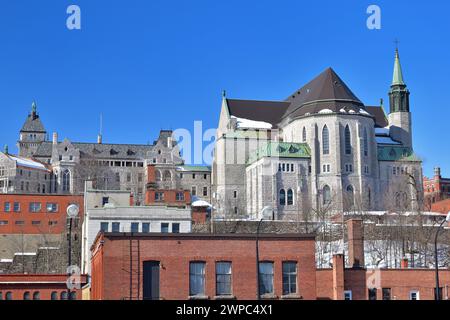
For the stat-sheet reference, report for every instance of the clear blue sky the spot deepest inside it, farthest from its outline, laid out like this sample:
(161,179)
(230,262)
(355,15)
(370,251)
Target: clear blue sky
(148,65)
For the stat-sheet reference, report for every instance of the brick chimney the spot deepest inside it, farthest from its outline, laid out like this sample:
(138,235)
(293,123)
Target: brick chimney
(355,234)
(338,277)
(55,138)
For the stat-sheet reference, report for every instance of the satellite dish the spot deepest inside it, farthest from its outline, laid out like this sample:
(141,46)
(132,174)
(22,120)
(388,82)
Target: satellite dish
(72,211)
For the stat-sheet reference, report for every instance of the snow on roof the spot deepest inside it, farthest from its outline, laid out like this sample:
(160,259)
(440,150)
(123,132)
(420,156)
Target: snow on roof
(326,111)
(200,203)
(24,162)
(6,260)
(386,140)
(362,111)
(343,110)
(251,124)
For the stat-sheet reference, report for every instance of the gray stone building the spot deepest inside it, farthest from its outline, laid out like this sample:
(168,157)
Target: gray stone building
(353,156)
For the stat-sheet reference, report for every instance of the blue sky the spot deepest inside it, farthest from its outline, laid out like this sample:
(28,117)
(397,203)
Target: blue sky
(151,65)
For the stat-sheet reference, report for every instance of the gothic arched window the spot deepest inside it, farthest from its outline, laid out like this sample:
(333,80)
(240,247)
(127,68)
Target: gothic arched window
(350,196)
(66,181)
(326,192)
(158,175)
(304,135)
(348,141)
(366,143)
(167,175)
(290,197)
(325,140)
(282,197)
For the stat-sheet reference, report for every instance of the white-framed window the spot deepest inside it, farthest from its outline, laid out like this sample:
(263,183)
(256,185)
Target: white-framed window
(348,295)
(414,295)
(326,168)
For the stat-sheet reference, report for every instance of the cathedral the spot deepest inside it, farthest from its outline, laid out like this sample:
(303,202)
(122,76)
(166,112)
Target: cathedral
(319,150)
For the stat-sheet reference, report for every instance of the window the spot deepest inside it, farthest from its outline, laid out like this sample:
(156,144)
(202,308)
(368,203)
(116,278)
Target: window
(104,226)
(9,295)
(282,197)
(235,194)
(20,223)
(27,295)
(73,295)
(205,191)
(63,295)
(54,295)
(175,228)
(266,278)
(350,196)
(66,181)
(158,175)
(116,227)
(140,177)
(197,278)
(194,190)
(414,295)
(347,140)
(52,207)
(36,295)
(325,141)
(193,176)
(36,223)
(290,197)
(326,168)
(366,169)
(373,294)
(365,143)
(105,200)
(304,135)
(128,177)
(205,176)
(35,207)
(348,167)
(223,279)
(146,227)
(326,195)
(179,196)
(159,196)
(164,228)
(289,278)
(348,295)
(386,293)
(16,207)
(167,176)
(135,227)
(7,207)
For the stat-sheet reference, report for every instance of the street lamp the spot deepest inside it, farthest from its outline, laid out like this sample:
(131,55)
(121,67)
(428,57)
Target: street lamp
(261,214)
(72,213)
(436,260)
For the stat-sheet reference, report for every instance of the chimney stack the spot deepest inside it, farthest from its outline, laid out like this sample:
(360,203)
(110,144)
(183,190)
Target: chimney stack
(355,234)
(437,172)
(99,139)
(55,138)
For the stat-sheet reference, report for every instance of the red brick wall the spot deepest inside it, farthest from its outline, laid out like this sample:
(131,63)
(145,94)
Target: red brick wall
(151,175)
(199,215)
(44,284)
(324,284)
(169,197)
(43,216)
(175,253)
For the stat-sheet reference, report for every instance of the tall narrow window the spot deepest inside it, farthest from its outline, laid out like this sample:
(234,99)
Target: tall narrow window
(348,142)
(282,197)
(158,175)
(266,278)
(290,197)
(289,278)
(325,140)
(66,180)
(350,196)
(304,135)
(223,279)
(366,143)
(326,191)
(197,278)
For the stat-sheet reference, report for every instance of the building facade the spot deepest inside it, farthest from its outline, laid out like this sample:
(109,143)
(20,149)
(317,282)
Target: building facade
(321,148)
(202,266)
(436,188)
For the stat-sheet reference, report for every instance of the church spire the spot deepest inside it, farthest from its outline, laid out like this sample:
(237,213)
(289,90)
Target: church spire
(33,110)
(397,79)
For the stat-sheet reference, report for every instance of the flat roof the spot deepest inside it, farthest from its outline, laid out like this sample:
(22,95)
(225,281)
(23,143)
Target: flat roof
(168,236)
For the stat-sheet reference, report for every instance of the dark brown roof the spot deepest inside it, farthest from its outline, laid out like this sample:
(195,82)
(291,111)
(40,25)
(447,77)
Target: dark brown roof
(326,91)
(266,111)
(380,116)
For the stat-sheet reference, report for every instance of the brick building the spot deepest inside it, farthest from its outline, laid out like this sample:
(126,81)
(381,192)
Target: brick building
(202,266)
(35,214)
(37,287)
(436,188)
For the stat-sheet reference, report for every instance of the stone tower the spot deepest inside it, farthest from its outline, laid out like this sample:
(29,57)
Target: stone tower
(399,114)
(32,134)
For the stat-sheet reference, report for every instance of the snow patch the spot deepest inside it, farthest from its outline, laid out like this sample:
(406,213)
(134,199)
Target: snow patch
(242,123)
(326,111)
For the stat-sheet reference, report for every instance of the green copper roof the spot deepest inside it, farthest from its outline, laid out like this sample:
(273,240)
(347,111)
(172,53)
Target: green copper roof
(398,74)
(195,168)
(396,153)
(281,150)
